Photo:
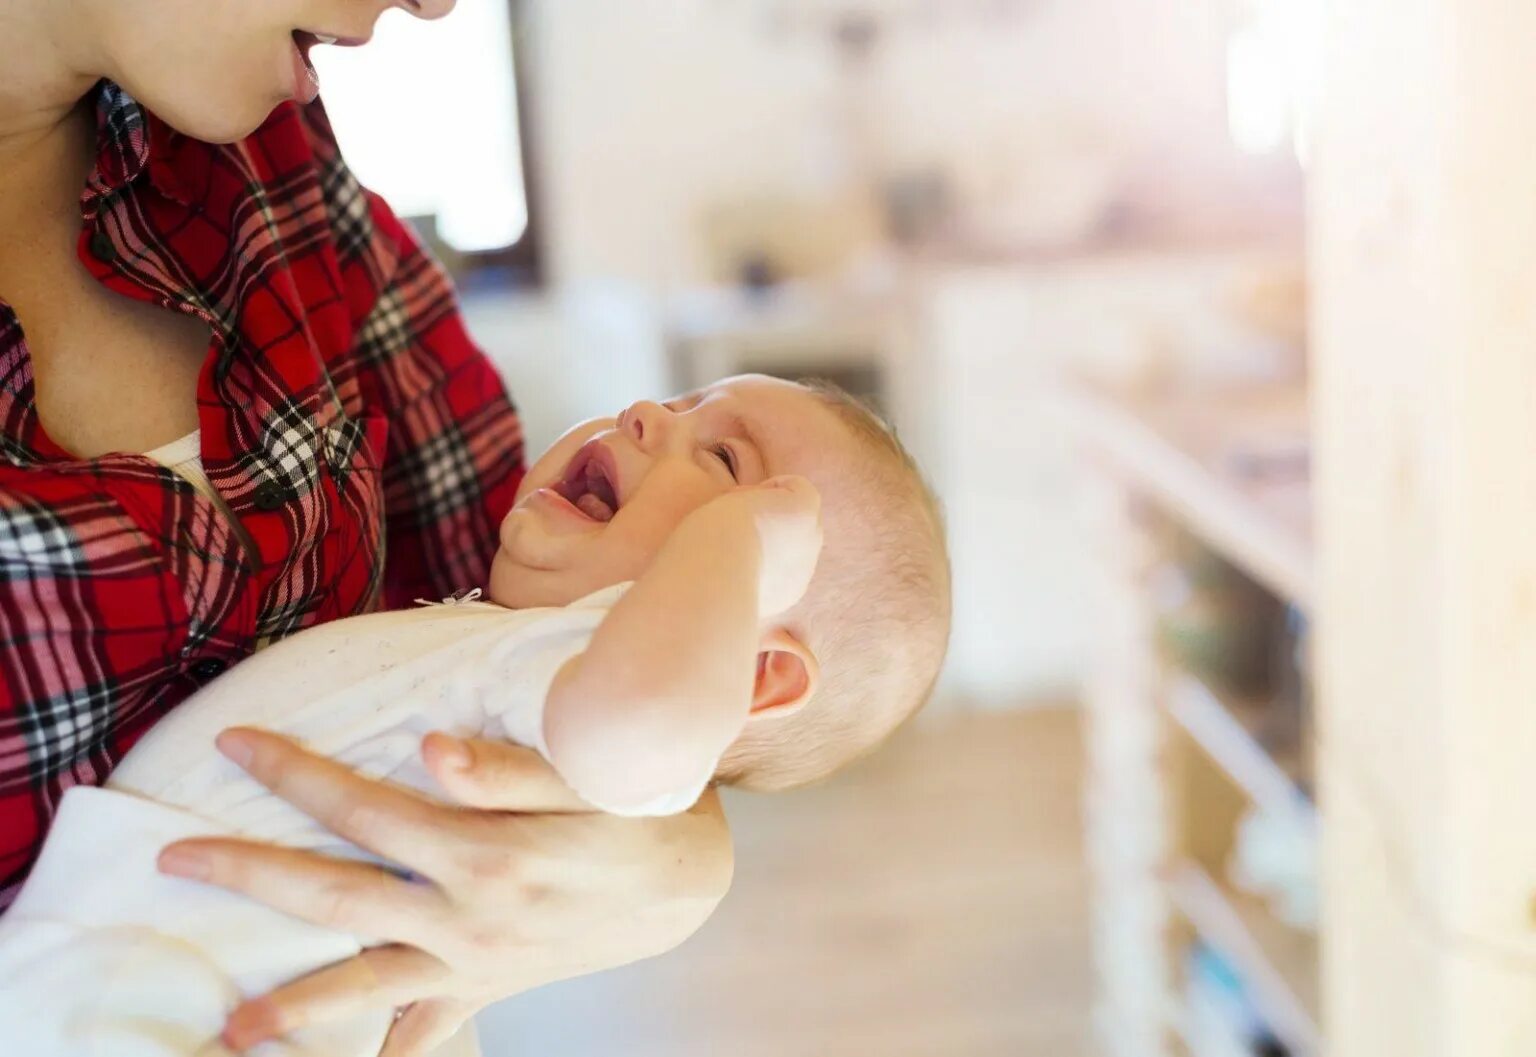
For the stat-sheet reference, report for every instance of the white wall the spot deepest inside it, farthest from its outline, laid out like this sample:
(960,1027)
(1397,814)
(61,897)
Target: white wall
(648,111)
(1114,81)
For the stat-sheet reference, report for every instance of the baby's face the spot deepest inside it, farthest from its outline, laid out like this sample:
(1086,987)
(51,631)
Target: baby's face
(597,506)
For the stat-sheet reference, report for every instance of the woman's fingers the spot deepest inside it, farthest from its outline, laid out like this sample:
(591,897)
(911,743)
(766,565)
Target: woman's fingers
(379,976)
(495,776)
(389,821)
(342,894)
(424,1027)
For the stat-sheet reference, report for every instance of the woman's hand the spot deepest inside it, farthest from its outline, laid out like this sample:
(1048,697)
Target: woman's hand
(522,885)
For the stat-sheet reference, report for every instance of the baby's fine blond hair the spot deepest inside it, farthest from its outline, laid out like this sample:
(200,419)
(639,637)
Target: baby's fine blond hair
(877,613)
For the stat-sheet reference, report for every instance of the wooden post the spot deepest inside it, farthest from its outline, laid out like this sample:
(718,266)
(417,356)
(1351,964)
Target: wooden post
(1423,263)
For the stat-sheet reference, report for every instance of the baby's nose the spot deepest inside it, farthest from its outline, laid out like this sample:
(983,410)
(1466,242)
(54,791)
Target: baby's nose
(646,423)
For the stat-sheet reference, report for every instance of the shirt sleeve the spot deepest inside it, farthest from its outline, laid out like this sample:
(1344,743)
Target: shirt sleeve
(454,452)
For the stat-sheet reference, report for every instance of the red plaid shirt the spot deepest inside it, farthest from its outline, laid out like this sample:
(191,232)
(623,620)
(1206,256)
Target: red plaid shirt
(366,446)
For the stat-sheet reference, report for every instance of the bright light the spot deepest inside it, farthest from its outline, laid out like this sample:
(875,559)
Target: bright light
(427,116)
(1274,75)
(1258,97)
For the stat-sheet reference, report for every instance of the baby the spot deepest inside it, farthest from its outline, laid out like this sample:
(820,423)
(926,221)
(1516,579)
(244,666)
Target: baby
(746,584)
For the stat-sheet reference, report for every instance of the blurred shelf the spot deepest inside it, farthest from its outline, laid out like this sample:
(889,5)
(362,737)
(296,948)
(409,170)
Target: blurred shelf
(1278,964)
(1225,730)
(1195,1039)
(1229,461)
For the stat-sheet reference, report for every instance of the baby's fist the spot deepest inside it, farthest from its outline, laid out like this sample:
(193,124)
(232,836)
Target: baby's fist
(787,512)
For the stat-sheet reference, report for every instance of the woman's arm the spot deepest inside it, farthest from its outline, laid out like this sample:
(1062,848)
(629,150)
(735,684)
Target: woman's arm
(667,682)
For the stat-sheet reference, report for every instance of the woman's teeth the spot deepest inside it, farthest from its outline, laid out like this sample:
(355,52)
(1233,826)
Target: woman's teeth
(321,38)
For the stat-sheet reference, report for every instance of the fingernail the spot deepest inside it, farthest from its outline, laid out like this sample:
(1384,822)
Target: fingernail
(234,744)
(252,1022)
(456,754)
(184,862)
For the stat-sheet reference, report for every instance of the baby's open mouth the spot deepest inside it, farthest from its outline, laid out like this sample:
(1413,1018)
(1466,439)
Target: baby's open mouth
(588,484)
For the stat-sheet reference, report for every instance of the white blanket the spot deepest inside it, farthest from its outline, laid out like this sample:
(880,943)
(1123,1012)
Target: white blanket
(102,956)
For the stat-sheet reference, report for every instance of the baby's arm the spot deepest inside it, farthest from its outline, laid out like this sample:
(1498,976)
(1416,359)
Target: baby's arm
(667,682)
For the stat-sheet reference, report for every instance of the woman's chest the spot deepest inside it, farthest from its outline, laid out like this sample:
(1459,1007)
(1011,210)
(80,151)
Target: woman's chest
(109,373)
(113,342)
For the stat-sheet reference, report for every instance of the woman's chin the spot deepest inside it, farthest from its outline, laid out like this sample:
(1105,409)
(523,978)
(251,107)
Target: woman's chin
(224,128)
(223,117)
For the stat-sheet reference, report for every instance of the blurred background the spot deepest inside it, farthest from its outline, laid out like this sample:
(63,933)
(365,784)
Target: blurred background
(1059,243)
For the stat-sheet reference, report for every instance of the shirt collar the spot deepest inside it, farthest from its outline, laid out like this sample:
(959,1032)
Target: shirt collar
(129,140)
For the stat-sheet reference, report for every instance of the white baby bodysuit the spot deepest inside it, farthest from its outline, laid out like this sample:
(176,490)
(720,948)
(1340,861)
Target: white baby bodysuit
(103,956)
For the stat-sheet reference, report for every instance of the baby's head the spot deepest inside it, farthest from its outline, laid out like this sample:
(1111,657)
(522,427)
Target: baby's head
(871,629)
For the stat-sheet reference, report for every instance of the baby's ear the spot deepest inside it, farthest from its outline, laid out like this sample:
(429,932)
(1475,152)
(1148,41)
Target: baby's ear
(787,674)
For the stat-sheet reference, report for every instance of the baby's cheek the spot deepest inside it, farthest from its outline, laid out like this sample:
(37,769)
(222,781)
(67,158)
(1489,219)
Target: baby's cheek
(631,545)
(687,489)
(636,536)
(640,529)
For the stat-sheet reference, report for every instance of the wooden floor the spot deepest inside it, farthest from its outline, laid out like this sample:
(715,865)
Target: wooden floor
(929,903)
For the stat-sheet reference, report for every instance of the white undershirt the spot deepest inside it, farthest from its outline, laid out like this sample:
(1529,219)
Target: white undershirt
(184,456)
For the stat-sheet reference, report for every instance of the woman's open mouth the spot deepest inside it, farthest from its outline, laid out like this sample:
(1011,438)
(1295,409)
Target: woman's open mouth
(306,80)
(590,483)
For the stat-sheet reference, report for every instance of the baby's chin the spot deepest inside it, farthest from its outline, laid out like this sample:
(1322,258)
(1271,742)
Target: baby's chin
(505,576)
(516,586)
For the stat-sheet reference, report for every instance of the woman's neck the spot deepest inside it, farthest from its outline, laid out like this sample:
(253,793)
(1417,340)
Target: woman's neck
(47,139)
(47,69)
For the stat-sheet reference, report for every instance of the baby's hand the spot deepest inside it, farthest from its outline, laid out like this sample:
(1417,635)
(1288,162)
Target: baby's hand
(787,512)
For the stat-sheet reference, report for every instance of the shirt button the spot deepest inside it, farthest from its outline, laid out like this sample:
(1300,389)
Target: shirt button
(102,247)
(207,668)
(270,496)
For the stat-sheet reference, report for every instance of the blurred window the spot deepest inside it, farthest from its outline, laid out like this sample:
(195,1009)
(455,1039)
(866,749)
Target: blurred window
(428,116)
(1273,75)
